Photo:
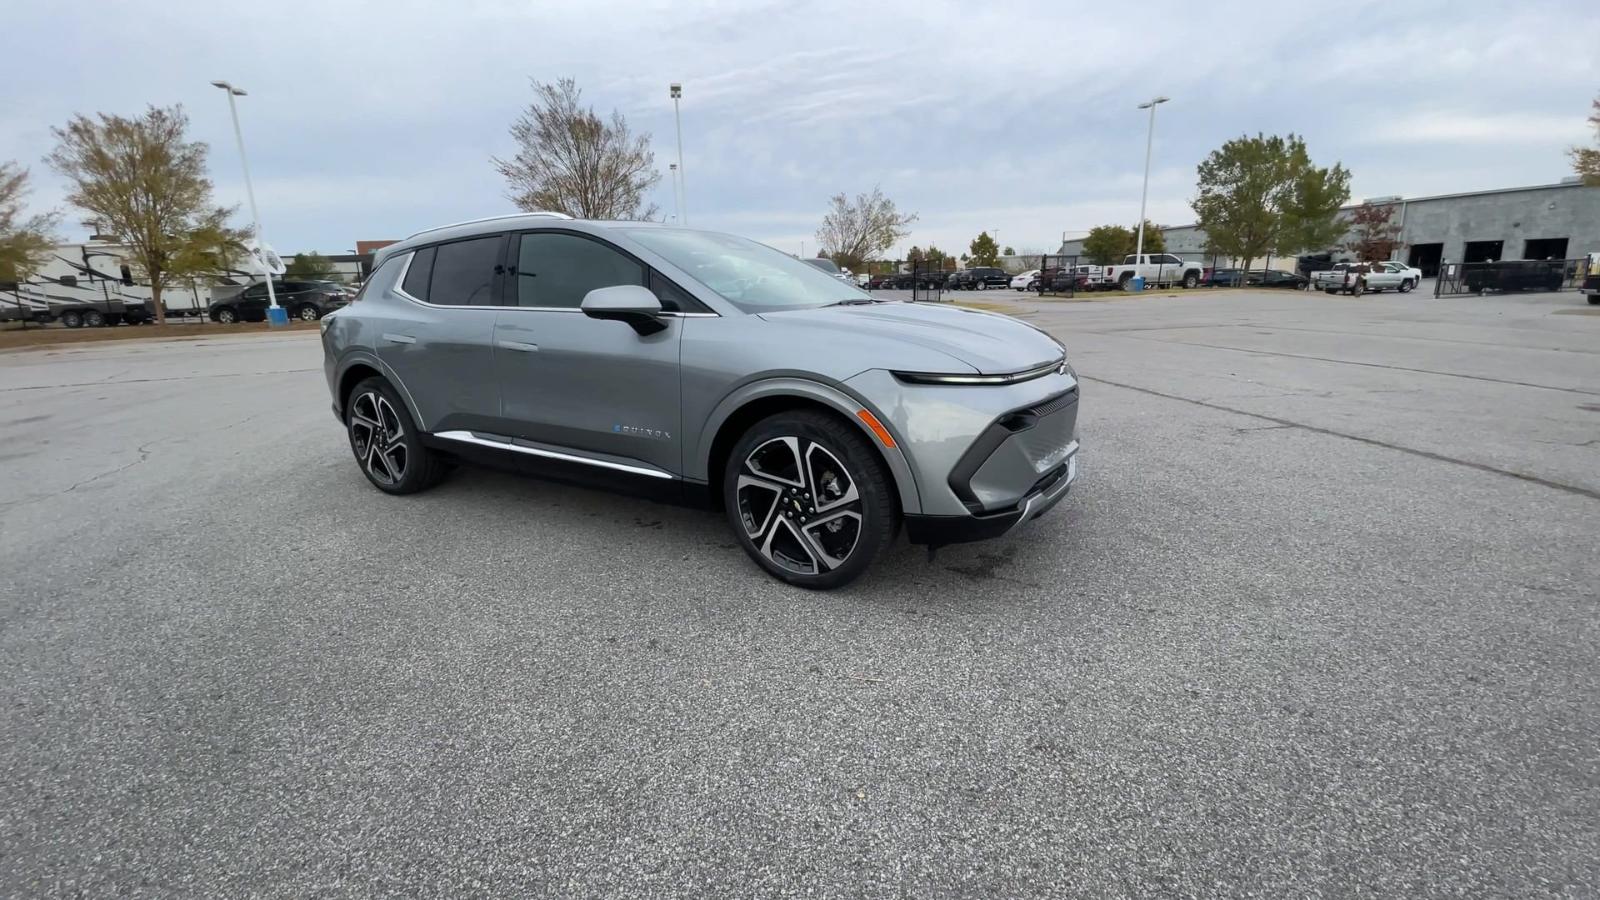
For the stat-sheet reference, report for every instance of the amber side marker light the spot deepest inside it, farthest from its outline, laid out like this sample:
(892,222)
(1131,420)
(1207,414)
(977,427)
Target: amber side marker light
(877,427)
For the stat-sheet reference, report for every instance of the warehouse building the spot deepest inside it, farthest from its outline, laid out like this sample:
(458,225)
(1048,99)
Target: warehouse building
(1546,221)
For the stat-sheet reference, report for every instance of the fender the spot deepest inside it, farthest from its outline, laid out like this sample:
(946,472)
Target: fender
(697,460)
(363,356)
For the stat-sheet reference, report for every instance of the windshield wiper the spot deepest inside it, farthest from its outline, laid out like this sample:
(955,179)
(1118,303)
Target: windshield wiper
(853,301)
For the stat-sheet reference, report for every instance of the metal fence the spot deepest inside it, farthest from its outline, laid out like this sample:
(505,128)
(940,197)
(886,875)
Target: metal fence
(927,281)
(1064,276)
(1508,275)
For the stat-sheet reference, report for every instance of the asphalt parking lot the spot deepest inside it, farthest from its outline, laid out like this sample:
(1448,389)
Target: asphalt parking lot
(1320,618)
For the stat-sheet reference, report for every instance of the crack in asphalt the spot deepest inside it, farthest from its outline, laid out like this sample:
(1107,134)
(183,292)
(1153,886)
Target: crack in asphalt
(1374,442)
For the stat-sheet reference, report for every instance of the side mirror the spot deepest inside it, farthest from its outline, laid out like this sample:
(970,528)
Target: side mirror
(628,303)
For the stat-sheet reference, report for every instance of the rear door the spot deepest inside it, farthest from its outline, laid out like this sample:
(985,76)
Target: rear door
(438,338)
(584,384)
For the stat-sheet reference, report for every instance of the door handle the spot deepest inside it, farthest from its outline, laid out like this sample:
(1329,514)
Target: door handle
(399,338)
(518,345)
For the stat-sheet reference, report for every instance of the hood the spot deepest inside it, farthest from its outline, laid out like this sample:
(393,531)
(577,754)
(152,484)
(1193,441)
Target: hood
(989,343)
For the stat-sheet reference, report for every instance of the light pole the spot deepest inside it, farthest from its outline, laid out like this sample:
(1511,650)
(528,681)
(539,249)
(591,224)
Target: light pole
(683,185)
(1144,194)
(677,201)
(274,317)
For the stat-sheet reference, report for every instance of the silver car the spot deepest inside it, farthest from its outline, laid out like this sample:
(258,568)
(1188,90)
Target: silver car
(704,367)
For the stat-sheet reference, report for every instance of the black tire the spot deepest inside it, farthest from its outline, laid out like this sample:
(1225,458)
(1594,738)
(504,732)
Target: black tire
(1123,280)
(1334,291)
(1594,299)
(227,315)
(418,469)
(94,318)
(1406,286)
(1191,279)
(72,319)
(1359,288)
(983,285)
(874,505)
(308,313)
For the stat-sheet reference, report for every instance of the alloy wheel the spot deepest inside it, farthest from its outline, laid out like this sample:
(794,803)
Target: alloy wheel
(308,313)
(378,438)
(799,505)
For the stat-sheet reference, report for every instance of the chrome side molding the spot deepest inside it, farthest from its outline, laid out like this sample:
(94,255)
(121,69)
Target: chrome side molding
(467,437)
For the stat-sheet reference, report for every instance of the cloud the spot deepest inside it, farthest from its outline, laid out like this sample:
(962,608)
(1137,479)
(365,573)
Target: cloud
(375,119)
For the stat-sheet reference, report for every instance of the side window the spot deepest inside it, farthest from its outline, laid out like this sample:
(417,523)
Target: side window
(416,283)
(463,272)
(556,270)
(1129,260)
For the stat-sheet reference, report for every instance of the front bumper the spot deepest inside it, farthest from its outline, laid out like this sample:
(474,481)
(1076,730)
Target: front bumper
(939,530)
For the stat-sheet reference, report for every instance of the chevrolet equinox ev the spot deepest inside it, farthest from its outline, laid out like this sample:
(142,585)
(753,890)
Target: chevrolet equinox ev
(707,367)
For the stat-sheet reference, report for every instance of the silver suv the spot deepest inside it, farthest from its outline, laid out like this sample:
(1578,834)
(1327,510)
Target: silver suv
(709,367)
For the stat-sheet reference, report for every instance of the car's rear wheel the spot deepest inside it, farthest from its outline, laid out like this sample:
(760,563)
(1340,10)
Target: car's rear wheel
(1124,281)
(809,499)
(983,285)
(72,319)
(227,316)
(386,443)
(94,318)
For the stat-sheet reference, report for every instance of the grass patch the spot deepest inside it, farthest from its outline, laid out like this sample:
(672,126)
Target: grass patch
(54,336)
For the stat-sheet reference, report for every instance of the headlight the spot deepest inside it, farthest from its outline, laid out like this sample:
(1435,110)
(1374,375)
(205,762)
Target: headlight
(1059,366)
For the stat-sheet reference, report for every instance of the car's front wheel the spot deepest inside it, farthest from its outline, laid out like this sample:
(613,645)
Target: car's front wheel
(386,443)
(227,316)
(1191,279)
(308,313)
(809,499)
(1406,286)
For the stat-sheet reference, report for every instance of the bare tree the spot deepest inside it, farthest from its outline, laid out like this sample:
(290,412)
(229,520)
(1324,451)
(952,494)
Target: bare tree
(569,160)
(855,231)
(144,182)
(25,242)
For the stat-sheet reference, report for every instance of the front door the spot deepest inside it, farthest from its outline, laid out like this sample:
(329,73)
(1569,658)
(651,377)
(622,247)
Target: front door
(584,384)
(437,334)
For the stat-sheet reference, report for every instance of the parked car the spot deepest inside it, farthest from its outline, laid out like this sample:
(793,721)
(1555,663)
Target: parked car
(307,301)
(1590,285)
(832,268)
(1514,275)
(1225,278)
(1276,278)
(1155,269)
(1025,281)
(569,350)
(932,278)
(881,282)
(978,278)
(1359,278)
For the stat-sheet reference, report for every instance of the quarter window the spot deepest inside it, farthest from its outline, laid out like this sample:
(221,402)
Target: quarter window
(416,283)
(463,272)
(556,270)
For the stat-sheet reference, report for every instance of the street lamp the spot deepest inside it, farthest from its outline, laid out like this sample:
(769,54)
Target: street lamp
(274,315)
(1144,194)
(683,187)
(677,202)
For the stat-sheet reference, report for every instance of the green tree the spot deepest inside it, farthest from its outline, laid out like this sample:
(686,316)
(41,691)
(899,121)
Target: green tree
(210,250)
(311,266)
(914,255)
(142,180)
(1262,194)
(854,231)
(1008,251)
(1107,244)
(1586,160)
(570,160)
(25,242)
(983,251)
(1154,240)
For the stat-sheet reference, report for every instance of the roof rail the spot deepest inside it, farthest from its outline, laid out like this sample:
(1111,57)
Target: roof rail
(549,214)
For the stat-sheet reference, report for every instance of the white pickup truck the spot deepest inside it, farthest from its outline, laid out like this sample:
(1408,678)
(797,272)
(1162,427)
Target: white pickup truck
(1358,278)
(1155,269)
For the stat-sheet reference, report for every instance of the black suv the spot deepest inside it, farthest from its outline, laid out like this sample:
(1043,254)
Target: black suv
(307,301)
(979,279)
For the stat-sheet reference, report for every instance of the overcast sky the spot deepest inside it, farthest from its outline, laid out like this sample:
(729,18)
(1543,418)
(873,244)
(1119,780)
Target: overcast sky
(368,121)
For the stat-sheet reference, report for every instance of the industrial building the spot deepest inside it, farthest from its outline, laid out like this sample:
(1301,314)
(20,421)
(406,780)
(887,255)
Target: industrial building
(1546,221)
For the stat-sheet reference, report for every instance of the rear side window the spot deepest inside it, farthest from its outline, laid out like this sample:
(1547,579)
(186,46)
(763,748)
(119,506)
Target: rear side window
(556,270)
(416,283)
(463,272)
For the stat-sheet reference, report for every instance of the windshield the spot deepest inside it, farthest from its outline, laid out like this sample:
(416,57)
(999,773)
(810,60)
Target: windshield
(751,276)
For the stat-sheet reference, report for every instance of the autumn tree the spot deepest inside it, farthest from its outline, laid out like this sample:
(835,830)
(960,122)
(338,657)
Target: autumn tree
(1375,233)
(983,251)
(1586,160)
(570,160)
(143,181)
(854,231)
(1263,195)
(25,241)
